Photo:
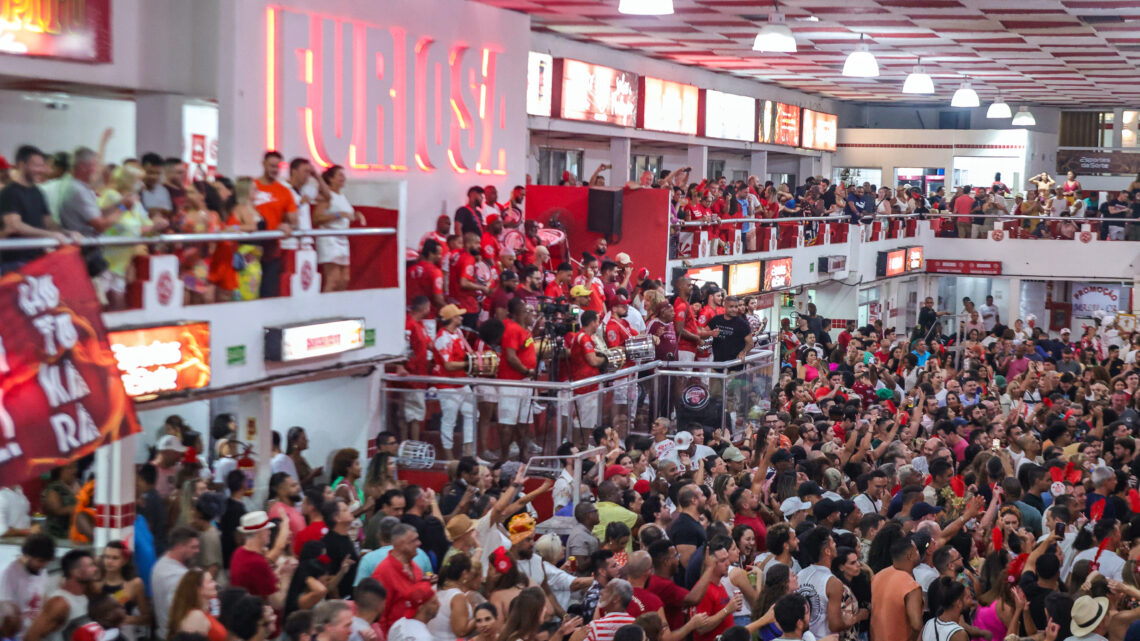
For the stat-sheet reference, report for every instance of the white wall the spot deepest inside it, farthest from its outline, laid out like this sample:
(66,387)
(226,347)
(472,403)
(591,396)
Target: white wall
(26,118)
(864,115)
(196,414)
(309,405)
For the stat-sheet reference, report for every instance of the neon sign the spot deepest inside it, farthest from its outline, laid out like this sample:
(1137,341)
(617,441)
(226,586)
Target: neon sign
(352,92)
(162,359)
(68,29)
(297,342)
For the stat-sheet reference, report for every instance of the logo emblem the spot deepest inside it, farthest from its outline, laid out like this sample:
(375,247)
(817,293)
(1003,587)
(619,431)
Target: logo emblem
(695,396)
(165,288)
(1086,236)
(306,275)
(997,234)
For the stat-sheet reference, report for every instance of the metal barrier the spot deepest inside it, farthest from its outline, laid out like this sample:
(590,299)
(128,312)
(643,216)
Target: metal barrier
(209,237)
(538,416)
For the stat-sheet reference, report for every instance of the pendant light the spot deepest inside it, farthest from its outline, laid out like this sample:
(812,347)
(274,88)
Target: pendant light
(861,63)
(1023,118)
(918,81)
(646,7)
(775,37)
(998,109)
(965,96)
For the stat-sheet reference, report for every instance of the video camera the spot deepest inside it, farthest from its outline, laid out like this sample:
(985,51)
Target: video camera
(559,317)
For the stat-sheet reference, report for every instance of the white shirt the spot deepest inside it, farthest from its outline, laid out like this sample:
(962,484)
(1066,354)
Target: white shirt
(813,586)
(925,575)
(282,463)
(1111,565)
(666,450)
(635,319)
(15,511)
(866,505)
(563,490)
(409,630)
(702,452)
(222,467)
(989,316)
(938,630)
(304,214)
(24,589)
(164,578)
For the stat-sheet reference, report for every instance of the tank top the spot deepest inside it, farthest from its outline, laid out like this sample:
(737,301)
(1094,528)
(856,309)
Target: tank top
(77,604)
(731,590)
(440,626)
(813,586)
(939,630)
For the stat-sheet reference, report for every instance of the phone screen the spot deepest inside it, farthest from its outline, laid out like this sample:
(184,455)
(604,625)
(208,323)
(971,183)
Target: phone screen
(1060,529)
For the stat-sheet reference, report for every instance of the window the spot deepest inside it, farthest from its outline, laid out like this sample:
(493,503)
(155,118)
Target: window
(715,169)
(553,163)
(640,164)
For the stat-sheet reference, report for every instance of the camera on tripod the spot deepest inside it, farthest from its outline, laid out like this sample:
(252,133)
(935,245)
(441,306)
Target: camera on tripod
(559,317)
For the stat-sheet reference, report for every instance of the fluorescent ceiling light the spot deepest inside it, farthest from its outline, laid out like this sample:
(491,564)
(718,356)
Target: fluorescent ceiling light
(918,81)
(998,109)
(646,7)
(775,37)
(861,63)
(1023,118)
(965,96)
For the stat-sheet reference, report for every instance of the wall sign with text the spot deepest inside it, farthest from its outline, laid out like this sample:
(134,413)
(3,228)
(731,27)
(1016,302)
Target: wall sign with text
(168,358)
(296,342)
(78,30)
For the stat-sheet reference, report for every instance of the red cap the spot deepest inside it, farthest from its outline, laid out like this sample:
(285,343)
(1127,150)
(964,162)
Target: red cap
(421,594)
(616,470)
(88,632)
(4,163)
(641,486)
(618,300)
(643,273)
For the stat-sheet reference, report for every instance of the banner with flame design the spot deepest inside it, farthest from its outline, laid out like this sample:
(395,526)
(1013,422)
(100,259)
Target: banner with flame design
(60,392)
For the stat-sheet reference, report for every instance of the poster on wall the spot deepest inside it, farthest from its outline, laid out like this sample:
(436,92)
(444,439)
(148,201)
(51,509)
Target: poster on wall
(1084,161)
(820,130)
(539,83)
(1089,298)
(200,141)
(598,94)
(670,106)
(778,123)
(729,116)
(60,392)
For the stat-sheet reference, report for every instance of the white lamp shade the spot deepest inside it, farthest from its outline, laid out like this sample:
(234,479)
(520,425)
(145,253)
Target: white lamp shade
(965,97)
(775,37)
(918,82)
(998,110)
(646,7)
(1023,118)
(861,63)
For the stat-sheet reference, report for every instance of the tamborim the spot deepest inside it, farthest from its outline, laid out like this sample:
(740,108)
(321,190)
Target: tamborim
(640,348)
(482,364)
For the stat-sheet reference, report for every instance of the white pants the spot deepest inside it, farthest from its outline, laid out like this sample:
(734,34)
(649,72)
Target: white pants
(515,407)
(454,401)
(587,408)
(625,390)
(415,409)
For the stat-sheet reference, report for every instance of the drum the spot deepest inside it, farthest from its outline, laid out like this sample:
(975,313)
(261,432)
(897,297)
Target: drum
(549,236)
(483,364)
(640,348)
(615,358)
(706,344)
(514,240)
(415,455)
(695,397)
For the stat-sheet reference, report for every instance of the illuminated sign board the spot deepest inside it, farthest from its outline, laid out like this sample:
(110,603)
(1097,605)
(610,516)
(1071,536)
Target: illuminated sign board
(156,360)
(374,97)
(778,124)
(777,273)
(598,94)
(729,116)
(539,83)
(669,106)
(744,278)
(914,259)
(819,130)
(77,30)
(891,263)
(702,275)
(297,342)
(971,267)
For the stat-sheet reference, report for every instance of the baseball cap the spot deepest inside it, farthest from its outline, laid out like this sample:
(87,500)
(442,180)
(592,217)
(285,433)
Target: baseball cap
(616,470)
(641,486)
(824,508)
(579,290)
(845,506)
(732,454)
(618,300)
(643,273)
(809,488)
(921,509)
(491,218)
(623,259)
(683,440)
(170,443)
(793,504)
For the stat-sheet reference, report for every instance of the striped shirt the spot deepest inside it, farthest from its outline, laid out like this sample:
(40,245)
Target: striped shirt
(603,629)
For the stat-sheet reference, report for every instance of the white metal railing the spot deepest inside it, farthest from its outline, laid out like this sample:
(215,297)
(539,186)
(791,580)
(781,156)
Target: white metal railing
(209,237)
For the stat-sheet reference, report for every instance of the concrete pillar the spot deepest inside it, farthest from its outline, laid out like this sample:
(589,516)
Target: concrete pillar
(759,165)
(619,161)
(698,159)
(1136,294)
(115,491)
(158,124)
(1014,310)
(808,167)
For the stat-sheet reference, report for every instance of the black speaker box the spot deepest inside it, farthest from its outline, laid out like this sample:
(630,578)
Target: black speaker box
(604,213)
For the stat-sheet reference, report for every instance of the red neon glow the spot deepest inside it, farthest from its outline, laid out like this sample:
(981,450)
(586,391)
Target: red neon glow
(308,54)
(457,165)
(270,79)
(420,97)
(399,104)
(460,125)
(310,137)
(338,80)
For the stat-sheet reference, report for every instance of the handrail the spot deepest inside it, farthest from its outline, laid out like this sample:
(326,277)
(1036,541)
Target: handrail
(792,219)
(845,218)
(236,236)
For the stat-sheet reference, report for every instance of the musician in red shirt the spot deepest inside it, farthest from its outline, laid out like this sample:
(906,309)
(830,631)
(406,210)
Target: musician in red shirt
(469,288)
(519,362)
(419,364)
(584,363)
(426,279)
(684,322)
(710,309)
(560,288)
(451,350)
(490,245)
(617,332)
(440,233)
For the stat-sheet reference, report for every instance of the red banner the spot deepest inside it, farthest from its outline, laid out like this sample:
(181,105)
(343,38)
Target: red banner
(60,392)
(972,267)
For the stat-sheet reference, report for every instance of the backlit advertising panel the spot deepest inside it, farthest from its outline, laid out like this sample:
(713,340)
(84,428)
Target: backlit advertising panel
(819,130)
(777,273)
(729,116)
(168,358)
(778,124)
(670,106)
(744,278)
(598,94)
(539,83)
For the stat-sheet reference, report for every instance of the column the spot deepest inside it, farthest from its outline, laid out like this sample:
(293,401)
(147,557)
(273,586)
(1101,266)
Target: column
(619,161)
(1136,294)
(1014,309)
(115,491)
(698,159)
(262,441)
(158,124)
(759,165)
(808,166)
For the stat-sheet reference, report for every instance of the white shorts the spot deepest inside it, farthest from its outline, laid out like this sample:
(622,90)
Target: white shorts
(625,390)
(415,409)
(515,406)
(586,407)
(686,357)
(487,393)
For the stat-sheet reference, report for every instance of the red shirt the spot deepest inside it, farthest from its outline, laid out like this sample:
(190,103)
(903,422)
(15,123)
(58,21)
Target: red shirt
(519,339)
(714,601)
(618,332)
(702,322)
(449,347)
(644,601)
(671,595)
(313,532)
(392,574)
(450,264)
(465,268)
(251,571)
(682,314)
(491,247)
(580,368)
(437,237)
(424,279)
(556,290)
(420,343)
(758,526)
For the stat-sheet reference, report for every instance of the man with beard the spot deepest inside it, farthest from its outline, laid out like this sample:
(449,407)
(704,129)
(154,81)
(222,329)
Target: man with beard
(504,294)
(513,212)
(69,601)
(469,218)
(530,287)
(287,491)
(23,581)
(617,332)
(469,290)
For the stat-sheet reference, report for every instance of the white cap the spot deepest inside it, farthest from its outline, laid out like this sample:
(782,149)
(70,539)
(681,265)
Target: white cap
(1108,320)
(793,504)
(170,443)
(683,440)
(1066,331)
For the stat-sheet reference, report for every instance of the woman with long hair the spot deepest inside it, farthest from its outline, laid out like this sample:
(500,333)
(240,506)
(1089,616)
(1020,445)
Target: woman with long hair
(119,580)
(454,618)
(381,473)
(333,211)
(310,582)
(188,494)
(847,568)
(740,580)
(779,582)
(503,586)
(879,556)
(723,486)
(345,475)
(521,623)
(487,625)
(190,607)
(297,441)
(1001,605)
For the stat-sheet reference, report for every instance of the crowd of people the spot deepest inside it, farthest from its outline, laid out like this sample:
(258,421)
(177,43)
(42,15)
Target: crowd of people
(70,196)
